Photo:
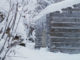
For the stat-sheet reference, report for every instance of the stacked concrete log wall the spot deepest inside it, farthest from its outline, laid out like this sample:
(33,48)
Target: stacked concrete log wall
(64,30)
(60,31)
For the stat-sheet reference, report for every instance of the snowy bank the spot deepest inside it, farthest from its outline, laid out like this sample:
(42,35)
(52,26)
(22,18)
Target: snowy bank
(29,53)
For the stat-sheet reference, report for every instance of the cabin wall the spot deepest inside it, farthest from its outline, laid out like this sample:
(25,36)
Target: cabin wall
(60,32)
(40,33)
(64,30)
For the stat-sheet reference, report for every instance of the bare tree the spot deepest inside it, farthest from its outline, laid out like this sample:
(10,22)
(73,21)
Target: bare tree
(12,19)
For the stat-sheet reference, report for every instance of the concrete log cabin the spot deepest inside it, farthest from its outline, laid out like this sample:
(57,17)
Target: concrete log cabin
(60,31)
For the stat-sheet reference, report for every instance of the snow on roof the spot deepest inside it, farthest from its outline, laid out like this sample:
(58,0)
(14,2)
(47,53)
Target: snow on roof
(56,7)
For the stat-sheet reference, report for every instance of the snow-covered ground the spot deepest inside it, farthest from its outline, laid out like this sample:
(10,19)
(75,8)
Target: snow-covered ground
(4,4)
(29,53)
